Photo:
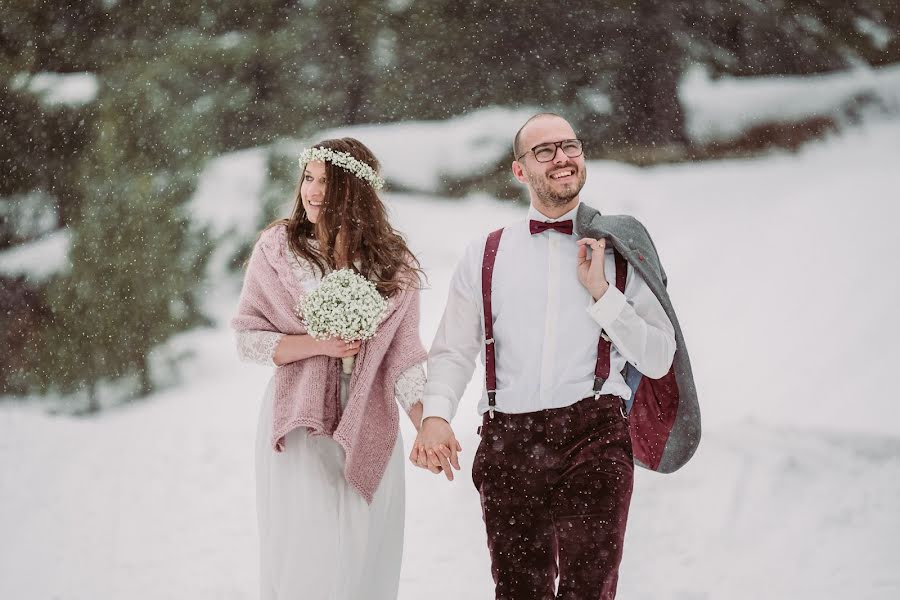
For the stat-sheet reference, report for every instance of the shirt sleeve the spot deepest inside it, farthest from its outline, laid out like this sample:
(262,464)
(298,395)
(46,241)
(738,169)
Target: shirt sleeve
(258,346)
(409,387)
(457,342)
(636,323)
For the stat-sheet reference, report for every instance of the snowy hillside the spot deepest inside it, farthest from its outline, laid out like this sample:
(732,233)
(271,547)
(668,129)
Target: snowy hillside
(781,269)
(722,109)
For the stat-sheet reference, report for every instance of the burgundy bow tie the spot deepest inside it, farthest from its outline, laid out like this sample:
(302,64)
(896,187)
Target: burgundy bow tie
(564,227)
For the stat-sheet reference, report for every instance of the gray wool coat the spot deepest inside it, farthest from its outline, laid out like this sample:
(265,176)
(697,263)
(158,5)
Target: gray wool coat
(631,239)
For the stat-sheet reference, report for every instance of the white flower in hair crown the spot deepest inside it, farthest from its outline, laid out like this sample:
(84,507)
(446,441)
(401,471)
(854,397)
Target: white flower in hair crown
(344,160)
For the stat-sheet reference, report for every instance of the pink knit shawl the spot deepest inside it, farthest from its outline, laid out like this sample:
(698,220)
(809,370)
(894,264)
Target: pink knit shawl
(307,392)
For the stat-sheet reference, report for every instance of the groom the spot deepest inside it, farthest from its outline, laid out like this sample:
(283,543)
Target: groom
(570,312)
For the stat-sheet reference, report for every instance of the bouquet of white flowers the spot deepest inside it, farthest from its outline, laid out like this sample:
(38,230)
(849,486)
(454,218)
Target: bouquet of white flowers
(345,305)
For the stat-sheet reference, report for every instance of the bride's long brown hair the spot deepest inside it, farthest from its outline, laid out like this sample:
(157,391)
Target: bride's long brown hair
(352,223)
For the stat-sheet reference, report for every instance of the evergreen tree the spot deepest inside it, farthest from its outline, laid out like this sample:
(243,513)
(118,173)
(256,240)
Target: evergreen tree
(134,261)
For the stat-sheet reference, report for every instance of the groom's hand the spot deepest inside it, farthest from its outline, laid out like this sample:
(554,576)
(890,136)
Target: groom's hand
(436,447)
(591,270)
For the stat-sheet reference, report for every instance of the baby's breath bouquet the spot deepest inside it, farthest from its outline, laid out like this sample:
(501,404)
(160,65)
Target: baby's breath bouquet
(345,305)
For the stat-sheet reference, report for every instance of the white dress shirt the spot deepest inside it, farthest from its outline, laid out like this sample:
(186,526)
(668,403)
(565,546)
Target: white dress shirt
(546,326)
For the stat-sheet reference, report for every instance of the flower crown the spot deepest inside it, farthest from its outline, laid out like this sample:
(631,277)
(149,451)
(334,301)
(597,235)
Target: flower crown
(344,160)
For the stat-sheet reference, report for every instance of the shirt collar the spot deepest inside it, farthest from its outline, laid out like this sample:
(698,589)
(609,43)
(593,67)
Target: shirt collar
(536,215)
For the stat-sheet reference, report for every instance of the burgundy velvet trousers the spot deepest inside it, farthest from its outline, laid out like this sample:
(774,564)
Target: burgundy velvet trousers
(555,489)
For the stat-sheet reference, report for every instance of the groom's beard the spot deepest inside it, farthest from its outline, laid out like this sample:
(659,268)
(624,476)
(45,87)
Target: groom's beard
(555,195)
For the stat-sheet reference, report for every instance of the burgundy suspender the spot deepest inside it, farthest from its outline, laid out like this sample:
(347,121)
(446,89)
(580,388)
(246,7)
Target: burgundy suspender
(601,372)
(487,273)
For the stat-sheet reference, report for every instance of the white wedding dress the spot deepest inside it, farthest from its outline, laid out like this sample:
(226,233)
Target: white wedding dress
(319,539)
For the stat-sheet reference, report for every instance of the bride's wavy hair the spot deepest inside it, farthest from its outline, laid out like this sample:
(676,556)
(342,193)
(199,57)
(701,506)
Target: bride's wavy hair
(352,223)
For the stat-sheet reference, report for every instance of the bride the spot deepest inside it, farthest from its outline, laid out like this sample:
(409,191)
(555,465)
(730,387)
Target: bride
(329,457)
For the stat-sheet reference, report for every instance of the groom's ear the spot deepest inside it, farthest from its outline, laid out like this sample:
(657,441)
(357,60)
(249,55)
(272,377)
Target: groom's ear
(518,172)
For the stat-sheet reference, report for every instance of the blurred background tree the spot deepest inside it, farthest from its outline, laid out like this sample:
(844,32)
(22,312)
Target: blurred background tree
(134,256)
(172,83)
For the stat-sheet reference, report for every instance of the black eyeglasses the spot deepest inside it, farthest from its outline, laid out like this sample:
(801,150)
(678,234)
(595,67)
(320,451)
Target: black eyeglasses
(546,152)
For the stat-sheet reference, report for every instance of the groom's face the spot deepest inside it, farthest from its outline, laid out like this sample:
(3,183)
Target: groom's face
(559,180)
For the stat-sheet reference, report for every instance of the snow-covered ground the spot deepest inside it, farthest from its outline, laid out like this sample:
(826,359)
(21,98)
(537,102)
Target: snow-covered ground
(781,270)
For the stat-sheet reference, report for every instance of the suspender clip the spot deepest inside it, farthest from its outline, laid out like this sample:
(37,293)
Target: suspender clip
(489,341)
(492,402)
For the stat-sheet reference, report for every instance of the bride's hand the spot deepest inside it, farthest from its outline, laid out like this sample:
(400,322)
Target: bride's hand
(436,447)
(299,347)
(338,348)
(415,415)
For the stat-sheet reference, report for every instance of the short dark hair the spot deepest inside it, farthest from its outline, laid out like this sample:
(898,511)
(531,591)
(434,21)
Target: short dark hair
(516,150)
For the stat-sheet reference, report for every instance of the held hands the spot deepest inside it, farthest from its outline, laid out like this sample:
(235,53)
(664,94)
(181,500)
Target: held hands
(436,447)
(338,348)
(590,271)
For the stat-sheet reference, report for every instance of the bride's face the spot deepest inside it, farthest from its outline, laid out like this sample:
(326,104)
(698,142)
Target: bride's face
(312,189)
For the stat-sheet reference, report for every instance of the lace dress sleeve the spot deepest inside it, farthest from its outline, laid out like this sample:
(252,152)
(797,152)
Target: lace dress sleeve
(258,346)
(409,387)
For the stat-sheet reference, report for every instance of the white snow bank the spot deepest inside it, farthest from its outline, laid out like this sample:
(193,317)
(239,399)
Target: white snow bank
(721,109)
(38,260)
(420,155)
(69,89)
(228,201)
